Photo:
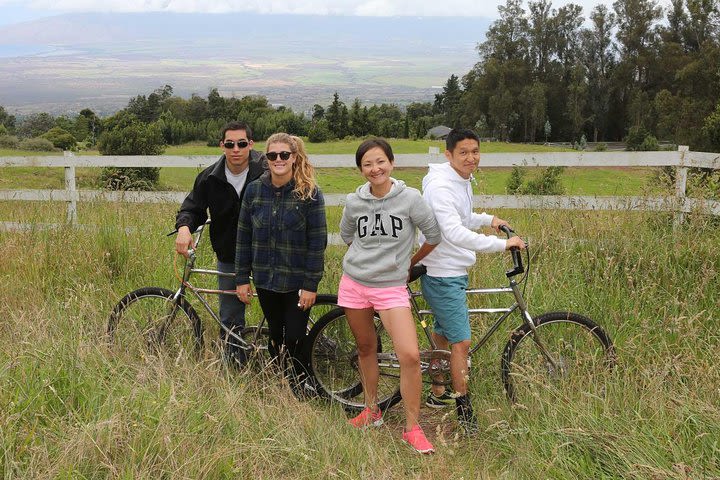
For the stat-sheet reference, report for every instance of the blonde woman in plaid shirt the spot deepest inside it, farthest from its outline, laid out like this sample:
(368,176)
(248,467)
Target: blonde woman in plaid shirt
(281,240)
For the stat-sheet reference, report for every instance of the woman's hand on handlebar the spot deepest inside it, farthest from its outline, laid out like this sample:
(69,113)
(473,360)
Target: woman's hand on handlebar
(244,293)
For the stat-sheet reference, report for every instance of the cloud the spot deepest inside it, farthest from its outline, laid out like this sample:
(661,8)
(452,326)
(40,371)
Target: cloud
(310,7)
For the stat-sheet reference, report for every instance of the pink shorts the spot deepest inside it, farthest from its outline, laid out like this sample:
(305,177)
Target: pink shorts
(351,294)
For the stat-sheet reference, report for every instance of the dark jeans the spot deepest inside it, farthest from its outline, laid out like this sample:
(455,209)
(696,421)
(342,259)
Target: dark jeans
(288,326)
(232,310)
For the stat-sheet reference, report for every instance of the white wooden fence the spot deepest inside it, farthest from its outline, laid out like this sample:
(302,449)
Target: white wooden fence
(682,160)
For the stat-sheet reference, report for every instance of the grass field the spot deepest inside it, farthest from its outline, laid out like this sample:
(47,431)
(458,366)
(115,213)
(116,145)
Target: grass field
(587,181)
(74,407)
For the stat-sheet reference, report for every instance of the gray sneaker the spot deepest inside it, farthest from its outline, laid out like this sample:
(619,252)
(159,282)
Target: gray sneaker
(440,401)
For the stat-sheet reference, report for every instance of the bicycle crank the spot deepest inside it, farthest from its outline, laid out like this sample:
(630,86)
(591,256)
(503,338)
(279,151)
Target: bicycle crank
(436,363)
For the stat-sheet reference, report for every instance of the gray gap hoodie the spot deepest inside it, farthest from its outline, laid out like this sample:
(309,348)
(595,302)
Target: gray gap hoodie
(381,233)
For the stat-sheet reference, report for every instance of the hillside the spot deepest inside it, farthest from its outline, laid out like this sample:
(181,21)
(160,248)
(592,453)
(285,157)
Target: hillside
(67,62)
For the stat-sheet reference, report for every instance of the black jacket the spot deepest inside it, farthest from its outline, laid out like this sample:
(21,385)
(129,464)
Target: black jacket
(213,192)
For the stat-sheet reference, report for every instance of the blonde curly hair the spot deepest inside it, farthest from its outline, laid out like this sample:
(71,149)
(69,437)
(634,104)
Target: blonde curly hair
(303,172)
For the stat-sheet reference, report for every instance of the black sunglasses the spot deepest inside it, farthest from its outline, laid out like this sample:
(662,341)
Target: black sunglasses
(229,144)
(272,156)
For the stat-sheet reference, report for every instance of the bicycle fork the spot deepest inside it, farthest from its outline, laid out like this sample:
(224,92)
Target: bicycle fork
(527,318)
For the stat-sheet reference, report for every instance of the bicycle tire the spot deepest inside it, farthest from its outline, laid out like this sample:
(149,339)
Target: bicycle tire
(258,338)
(146,314)
(581,347)
(331,353)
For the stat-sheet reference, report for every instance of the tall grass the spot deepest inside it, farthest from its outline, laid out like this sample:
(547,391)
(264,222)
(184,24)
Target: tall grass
(70,408)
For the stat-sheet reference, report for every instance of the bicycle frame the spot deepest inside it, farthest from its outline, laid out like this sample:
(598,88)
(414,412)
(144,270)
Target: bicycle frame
(520,305)
(185,285)
(199,292)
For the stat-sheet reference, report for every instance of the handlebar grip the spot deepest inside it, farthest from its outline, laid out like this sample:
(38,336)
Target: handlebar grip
(517,258)
(514,252)
(506,230)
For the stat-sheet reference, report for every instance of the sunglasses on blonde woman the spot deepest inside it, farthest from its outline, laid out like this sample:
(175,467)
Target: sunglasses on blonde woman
(272,156)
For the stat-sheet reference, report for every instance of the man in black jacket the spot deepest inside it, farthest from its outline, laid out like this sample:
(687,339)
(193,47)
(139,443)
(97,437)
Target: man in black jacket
(219,189)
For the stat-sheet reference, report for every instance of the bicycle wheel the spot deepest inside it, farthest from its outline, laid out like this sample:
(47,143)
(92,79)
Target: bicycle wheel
(147,320)
(579,347)
(258,336)
(333,362)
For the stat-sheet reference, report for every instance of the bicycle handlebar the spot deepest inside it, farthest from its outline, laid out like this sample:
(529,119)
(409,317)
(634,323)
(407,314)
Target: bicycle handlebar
(515,252)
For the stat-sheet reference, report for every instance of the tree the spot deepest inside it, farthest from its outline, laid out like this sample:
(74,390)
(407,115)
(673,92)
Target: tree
(358,119)
(126,135)
(7,120)
(60,138)
(598,60)
(334,117)
(319,132)
(537,108)
(506,39)
(318,112)
(448,102)
(540,37)
(35,125)
(577,96)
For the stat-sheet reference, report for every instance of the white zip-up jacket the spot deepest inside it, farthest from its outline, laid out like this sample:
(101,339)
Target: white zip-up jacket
(450,198)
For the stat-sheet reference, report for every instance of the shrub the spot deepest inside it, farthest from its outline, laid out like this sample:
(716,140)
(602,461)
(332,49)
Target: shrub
(9,141)
(601,147)
(130,178)
(319,132)
(635,138)
(546,183)
(515,181)
(649,144)
(36,145)
(60,138)
(126,135)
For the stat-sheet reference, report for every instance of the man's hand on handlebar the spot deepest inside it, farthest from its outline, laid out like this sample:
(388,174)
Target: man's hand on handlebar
(184,241)
(497,223)
(515,242)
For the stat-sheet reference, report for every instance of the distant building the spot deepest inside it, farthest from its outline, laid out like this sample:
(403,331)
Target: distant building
(440,132)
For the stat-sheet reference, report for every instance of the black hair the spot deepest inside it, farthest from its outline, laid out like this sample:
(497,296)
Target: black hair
(371,143)
(457,135)
(236,126)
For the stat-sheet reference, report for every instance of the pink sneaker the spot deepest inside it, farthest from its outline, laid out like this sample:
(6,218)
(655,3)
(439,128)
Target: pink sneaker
(416,439)
(367,418)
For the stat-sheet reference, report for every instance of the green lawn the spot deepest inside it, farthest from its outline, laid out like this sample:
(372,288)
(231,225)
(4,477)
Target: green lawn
(399,145)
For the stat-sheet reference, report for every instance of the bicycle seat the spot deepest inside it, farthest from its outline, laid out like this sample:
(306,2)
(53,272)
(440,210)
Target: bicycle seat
(416,272)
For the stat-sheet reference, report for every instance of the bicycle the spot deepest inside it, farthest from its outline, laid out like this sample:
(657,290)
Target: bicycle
(569,346)
(166,318)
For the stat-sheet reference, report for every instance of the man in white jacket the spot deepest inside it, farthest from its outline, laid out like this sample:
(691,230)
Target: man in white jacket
(448,192)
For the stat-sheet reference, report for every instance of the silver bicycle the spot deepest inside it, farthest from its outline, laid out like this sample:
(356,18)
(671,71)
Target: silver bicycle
(149,319)
(557,349)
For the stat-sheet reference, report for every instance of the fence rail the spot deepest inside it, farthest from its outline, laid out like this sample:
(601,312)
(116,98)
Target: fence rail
(681,160)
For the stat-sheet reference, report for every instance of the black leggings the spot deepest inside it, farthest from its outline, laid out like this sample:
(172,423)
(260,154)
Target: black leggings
(287,323)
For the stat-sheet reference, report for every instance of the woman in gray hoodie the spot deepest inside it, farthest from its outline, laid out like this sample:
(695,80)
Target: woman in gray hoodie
(378,223)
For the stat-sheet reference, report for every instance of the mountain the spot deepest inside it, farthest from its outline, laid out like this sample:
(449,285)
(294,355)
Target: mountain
(64,63)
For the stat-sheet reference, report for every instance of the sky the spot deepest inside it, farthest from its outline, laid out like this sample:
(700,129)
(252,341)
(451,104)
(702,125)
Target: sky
(15,11)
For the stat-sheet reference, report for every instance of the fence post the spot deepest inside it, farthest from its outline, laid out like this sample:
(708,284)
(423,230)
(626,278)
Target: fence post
(71,188)
(434,153)
(681,174)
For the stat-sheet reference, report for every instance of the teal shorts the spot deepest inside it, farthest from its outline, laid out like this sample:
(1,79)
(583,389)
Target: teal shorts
(448,301)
